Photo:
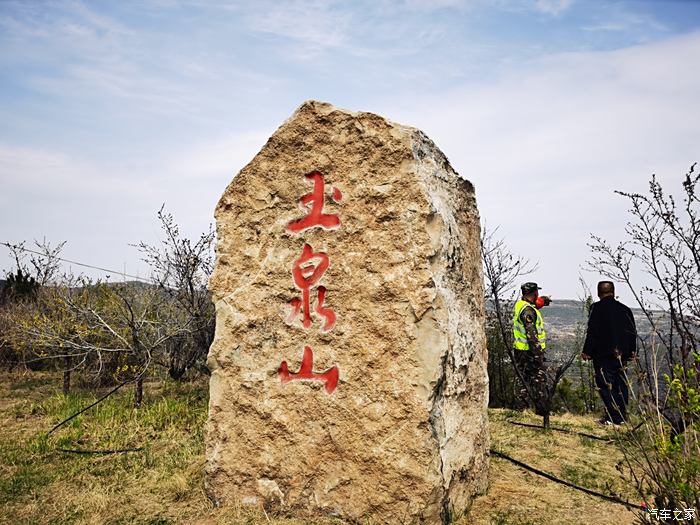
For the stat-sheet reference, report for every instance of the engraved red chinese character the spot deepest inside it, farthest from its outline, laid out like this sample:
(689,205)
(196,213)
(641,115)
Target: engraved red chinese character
(329,377)
(307,271)
(313,204)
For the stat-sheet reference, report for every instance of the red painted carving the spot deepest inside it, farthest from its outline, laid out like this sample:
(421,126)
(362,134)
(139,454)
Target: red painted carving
(307,271)
(329,377)
(313,203)
(327,313)
(296,310)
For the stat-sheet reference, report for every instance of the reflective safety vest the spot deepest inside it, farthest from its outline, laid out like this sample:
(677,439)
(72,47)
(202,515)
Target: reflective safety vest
(519,335)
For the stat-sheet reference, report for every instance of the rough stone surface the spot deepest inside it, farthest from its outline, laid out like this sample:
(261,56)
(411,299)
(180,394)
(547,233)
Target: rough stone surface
(403,437)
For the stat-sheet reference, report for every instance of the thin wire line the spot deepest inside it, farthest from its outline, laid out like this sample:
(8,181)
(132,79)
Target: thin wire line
(564,482)
(10,246)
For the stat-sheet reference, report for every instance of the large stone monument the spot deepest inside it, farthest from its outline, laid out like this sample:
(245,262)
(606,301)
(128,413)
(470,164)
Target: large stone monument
(349,363)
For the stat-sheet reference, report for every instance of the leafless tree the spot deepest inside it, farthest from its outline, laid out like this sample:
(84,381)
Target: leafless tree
(115,329)
(663,242)
(142,321)
(44,262)
(102,328)
(182,269)
(34,268)
(502,269)
(662,246)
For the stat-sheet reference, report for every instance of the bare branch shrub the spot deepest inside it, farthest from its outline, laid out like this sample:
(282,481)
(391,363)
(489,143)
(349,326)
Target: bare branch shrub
(502,269)
(663,243)
(182,269)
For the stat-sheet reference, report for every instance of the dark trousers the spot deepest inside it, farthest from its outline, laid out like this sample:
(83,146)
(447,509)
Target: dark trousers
(531,364)
(611,383)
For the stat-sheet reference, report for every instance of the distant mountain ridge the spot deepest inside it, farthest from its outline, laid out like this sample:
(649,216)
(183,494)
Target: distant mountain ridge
(564,317)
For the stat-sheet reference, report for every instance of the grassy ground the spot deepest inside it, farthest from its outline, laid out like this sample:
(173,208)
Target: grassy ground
(519,497)
(163,482)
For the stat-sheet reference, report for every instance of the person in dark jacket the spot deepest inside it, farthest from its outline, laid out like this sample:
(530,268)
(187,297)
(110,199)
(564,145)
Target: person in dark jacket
(611,341)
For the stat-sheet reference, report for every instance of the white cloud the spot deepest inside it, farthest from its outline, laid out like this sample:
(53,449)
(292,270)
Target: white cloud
(174,125)
(64,23)
(315,25)
(626,22)
(548,143)
(553,7)
(81,58)
(192,181)
(53,195)
(95,22)
(431,5)
(50,172)
(224,156)
(101,208)
(550,7)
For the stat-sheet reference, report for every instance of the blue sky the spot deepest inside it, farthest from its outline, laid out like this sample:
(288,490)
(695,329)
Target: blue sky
(110,109)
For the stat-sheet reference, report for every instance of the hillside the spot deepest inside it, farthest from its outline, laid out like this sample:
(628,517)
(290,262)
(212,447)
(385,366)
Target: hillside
(565,320)
(161,481)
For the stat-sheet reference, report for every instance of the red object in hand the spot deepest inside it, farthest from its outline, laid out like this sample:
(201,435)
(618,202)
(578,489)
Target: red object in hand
(542,301)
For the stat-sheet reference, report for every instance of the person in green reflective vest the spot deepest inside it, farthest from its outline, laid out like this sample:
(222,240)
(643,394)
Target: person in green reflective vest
(529,343)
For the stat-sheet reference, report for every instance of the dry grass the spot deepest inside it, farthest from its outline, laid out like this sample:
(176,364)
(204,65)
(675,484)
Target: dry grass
(519,497)
(163,483)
